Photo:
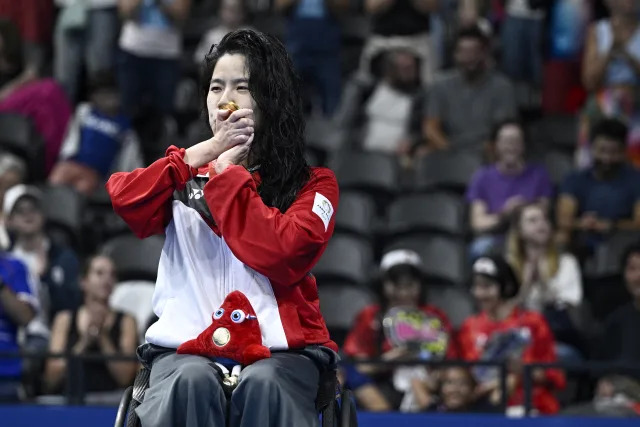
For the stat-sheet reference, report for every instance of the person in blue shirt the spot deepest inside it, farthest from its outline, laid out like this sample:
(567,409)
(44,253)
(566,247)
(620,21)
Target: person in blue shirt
(604,197)
(18,306)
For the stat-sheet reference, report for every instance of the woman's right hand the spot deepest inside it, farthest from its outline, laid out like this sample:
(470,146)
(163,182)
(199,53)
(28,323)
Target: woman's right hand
(232,129)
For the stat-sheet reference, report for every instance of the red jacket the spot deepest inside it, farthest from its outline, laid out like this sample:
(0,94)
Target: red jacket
(476,331)
(363,339)
(221,237)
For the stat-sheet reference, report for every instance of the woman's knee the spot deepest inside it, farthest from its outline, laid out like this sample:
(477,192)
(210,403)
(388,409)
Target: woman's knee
(198,375)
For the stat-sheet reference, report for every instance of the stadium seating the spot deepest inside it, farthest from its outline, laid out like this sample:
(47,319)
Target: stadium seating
(63,208)
(356,214)
(340,305)
(346,259)
(438,213)
(19,136)
(135,259)
(447,171)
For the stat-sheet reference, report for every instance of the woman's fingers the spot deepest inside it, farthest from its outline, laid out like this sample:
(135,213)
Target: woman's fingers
(239,114)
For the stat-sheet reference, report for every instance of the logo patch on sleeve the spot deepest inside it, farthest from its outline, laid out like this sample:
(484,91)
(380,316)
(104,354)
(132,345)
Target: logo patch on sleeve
(323,208)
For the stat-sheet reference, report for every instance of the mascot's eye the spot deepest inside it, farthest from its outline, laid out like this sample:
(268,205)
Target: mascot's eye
(218,314)
(238,316)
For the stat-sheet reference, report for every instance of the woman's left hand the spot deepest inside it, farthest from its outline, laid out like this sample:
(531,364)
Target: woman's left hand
(233,156)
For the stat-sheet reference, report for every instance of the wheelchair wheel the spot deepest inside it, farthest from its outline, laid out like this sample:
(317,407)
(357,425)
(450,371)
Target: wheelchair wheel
(123,407)
(348,416)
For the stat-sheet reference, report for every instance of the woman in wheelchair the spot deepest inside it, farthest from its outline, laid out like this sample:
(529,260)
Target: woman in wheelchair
(241,211)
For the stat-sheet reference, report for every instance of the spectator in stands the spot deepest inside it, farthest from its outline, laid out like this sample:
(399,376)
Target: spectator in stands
(466,103)
(604,197)
(620,338)
(100,139)
(551,281)
(389,130)
(401,285)
(86,37)
(18,306)
(615,396)
(94,329)
(497,191)
(34,20)
(151,45)
(611,72)
(313,39)
(234,15)
(401,24)
(43,101)
(455,393)
(53,266)
(504,331)
(13,171)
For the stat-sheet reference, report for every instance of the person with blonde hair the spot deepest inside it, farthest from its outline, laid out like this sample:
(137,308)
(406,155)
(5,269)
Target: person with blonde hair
(551,282)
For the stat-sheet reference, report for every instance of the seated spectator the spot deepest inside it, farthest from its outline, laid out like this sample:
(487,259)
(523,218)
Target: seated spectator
(367,113)
(497,191)
(94,329)
(53,266)
(233,16)
(401,24)
(551,281)
(401,286)
(87,43)
(18,306)
(605,196)
(611,73)
(151,46)
(455,393)
(100,139)
(615,396)
(505,332)
(13,171)
(466,103)
(41,100)
(313,39)
(619,340)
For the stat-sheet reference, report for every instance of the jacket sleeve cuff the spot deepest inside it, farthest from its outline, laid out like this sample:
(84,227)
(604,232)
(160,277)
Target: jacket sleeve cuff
(184,172)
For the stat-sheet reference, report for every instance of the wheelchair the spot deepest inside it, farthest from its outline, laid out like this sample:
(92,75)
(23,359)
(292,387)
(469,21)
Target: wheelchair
(334,403)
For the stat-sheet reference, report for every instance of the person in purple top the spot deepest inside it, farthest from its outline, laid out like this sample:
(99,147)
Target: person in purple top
(496,191)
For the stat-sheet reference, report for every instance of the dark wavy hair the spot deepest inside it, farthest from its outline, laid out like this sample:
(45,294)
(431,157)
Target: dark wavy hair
(278,145)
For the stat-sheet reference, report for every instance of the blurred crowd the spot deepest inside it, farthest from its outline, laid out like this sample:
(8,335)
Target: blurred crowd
(486,153)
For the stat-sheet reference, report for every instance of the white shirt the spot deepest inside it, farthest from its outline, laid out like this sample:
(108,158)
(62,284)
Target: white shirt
(92,4)
(565,288)
(521,9)
(388,111)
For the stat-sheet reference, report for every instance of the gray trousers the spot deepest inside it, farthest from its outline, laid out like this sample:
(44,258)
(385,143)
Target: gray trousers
(280,391)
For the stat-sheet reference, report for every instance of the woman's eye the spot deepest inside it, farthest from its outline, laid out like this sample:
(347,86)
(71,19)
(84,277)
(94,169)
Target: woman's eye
(243,88)
(216,89)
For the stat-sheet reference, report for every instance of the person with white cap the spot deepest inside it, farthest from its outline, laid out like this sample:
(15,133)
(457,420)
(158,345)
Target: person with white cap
(401,287)
(53,266)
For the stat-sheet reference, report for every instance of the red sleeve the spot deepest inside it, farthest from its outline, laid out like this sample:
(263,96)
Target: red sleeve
(142,197)
(360,340)
(467,341)
(542,349)
(283,247)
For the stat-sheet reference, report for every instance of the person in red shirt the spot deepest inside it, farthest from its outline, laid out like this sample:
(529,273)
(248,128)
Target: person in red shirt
(525,337)
(401,285)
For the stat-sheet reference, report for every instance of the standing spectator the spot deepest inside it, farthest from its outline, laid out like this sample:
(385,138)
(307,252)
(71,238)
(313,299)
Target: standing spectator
(619,341)
(43,101)
(525,337)
(466,103)
(86,36)
(551,282)
(151,45)
(603,197)
(497,191)
(366,110)
(18,306)
(313,41)
(94,329)
(401,24)
(53,265)
(99,140)
(401,285)
(13,171)
(611,72)
(233,16)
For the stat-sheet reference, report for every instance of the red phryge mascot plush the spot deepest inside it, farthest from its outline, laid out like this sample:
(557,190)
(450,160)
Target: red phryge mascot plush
(234,333)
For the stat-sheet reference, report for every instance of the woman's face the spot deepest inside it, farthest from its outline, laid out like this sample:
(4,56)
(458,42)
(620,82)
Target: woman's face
(404,292)
(510,144)
(486,293)
(229,82)
(457,389)
(100,278)
(534,226)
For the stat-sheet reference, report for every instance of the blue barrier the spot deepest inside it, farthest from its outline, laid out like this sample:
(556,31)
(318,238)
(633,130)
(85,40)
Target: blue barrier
(82,416)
